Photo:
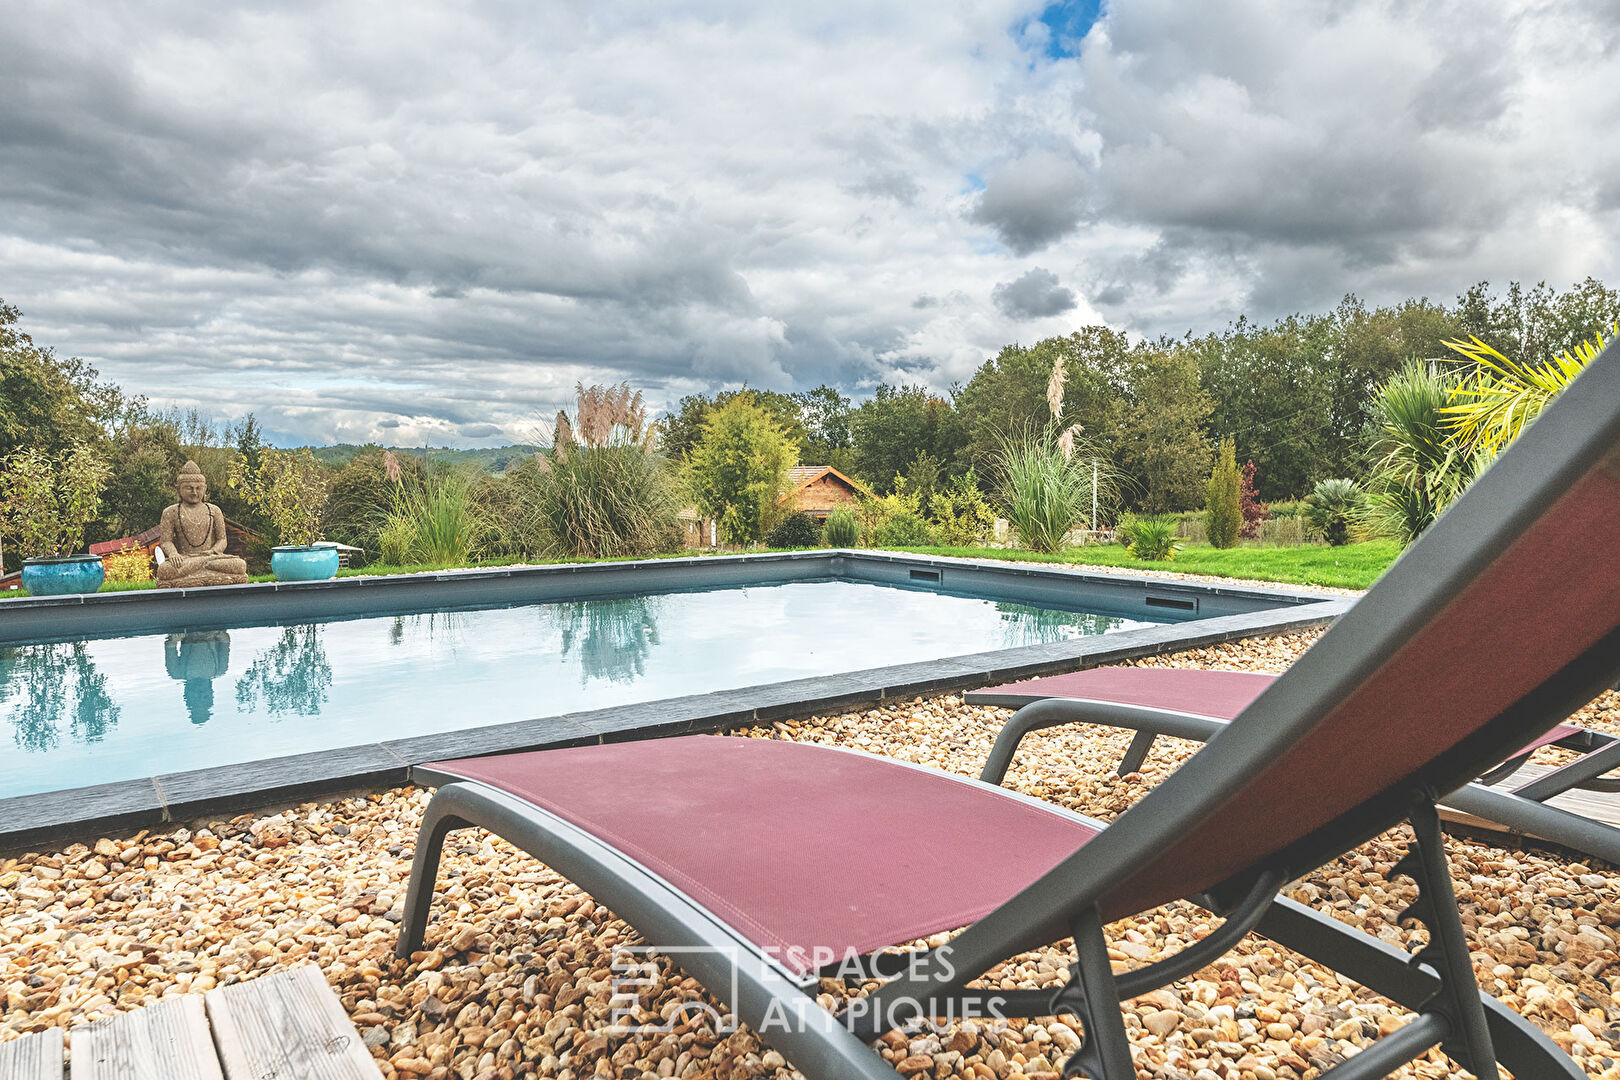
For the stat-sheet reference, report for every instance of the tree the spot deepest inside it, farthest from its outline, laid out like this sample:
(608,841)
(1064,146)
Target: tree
(895,425)
(1007,395)
(1254,511)
(1159,445)
(681,431)
(826,416)
(249,440)
(1534,326)
(46,502)
(46,402)
(739,469)
(289,488)
(1223,504)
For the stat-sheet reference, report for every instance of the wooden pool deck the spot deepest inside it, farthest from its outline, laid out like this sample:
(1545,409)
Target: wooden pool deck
(1602,807)
(287,1026)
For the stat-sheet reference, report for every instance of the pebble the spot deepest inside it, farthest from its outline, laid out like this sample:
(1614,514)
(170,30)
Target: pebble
(518,982)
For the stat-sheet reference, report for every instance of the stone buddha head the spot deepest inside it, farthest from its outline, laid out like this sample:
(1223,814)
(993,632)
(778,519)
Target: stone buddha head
(192,484)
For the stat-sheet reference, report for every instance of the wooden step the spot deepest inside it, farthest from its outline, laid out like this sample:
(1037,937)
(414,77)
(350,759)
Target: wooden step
(165,1041)
(32,1057)
(287,1026)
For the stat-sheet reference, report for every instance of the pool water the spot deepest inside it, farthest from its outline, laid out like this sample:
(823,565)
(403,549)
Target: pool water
(91,712)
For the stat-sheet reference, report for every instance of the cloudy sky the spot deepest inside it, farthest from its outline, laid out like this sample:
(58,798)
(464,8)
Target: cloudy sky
(423,222)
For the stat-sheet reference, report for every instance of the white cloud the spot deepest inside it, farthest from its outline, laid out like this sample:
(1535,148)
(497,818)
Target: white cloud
(424,223)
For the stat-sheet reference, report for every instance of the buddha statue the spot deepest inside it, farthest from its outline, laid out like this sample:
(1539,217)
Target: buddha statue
(192,539)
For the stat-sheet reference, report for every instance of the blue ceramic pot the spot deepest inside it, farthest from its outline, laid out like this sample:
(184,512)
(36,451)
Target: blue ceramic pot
(68,574)
(293,562)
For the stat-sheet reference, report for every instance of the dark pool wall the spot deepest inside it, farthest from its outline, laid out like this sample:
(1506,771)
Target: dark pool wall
(63,618)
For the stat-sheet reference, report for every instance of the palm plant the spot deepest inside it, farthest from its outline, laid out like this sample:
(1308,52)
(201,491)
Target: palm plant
(1421,469)
(1152,538)
(1504,395)
(1333,507)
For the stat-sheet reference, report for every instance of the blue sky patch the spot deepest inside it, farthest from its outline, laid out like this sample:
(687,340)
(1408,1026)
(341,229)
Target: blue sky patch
(1068,22)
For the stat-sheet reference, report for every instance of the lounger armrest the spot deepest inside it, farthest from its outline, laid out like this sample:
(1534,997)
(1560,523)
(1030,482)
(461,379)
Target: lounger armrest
(1053,712)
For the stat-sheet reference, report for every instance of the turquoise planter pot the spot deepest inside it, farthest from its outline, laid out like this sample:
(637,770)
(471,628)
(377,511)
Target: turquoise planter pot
(57,577)
(297,563)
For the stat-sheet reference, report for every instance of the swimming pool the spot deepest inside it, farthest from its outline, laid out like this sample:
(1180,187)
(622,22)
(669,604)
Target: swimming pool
(96,711)
(302,689)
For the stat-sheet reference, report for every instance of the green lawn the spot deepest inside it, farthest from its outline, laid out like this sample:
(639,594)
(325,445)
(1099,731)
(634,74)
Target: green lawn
(1353,566)
(372,570)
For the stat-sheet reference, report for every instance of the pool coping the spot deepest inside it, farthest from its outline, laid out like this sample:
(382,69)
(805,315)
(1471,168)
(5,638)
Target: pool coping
(79,813)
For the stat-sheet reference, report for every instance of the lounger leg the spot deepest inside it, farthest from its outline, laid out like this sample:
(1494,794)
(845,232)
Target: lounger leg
(437,823)
(1093,996)
(1141,744)
(1458,1001)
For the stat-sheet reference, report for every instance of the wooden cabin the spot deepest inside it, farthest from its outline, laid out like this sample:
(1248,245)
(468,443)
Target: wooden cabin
(818,490)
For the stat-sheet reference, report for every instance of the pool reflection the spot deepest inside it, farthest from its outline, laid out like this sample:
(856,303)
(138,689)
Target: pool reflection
(1025,625)
(292,677)
(612,638)
(43,685)
(197,658)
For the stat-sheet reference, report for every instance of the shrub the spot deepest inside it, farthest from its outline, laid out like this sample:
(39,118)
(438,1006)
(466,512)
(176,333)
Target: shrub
(1254,511)
(797,530)
(1291,508)
(1223,503)
(1334,507)
(895,521)
(739,469)
(1152,538)
(842,530)
(904,528)
(288,487)
(1048,487)
(130,564)
(45,504)
(605,489)
(962,516)
(434,521)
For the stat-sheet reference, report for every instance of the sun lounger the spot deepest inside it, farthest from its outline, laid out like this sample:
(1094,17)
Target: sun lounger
(755,862)
(1196,704)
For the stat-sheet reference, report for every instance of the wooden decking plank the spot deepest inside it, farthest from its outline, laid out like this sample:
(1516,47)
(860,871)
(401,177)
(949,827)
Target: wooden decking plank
(32,1057)
(165,1041)
(287,1026)
(1601,806)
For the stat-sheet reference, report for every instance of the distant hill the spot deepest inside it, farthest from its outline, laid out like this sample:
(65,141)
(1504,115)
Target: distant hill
(494,459)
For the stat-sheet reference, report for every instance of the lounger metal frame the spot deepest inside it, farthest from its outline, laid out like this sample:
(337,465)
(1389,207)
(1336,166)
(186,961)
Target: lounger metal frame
(1524,811)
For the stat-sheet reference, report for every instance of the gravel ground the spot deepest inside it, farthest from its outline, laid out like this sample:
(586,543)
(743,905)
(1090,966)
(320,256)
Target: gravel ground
(518,980)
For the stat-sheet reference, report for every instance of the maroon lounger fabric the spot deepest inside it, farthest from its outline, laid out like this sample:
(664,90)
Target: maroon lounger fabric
(1220,695)
(797,847)
(1562,731)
